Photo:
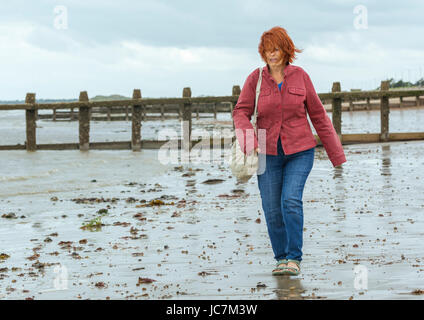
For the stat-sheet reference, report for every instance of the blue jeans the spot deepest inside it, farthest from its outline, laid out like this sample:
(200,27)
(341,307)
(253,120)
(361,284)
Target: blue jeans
(281,187)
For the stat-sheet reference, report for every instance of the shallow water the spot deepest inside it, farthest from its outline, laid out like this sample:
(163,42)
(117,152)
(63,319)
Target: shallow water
(369,213)
(12,126)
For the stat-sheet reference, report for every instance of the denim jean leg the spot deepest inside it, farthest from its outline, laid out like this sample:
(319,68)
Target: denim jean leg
(295,173)
(270,185)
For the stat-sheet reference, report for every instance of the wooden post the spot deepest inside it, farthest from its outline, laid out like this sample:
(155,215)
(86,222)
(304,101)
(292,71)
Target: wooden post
(417,101)
(31,139)
(214,110)
(136,122)
(368,107)
(236,92)
(197,111)
(54,114)
(162,115)
(384,112)
(337,110)
(350,105)
(400,102)
(72,114)
(187,114)
(126,113)
(84,123)
(108,113)
(180,112)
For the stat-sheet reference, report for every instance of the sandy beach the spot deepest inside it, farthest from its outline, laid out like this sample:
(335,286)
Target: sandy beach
(203,236)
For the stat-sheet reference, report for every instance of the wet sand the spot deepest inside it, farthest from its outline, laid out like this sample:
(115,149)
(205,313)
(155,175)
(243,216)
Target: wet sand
(209,240)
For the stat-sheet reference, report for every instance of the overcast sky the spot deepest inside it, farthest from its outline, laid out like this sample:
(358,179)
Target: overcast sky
(59,48)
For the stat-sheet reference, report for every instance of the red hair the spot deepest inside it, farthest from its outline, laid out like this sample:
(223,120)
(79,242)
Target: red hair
(278,37)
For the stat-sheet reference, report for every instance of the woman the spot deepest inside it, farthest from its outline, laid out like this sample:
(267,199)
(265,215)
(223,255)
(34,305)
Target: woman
(287,154)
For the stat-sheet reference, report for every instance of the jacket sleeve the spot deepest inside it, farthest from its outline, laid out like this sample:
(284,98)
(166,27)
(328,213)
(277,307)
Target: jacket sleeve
(322,124)
(242,114)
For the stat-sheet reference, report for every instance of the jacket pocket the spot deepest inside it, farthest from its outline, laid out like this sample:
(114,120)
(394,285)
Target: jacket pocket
(296,95)
(297,91)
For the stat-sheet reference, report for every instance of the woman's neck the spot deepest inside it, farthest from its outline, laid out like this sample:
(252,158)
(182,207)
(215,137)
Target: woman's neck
(276,70)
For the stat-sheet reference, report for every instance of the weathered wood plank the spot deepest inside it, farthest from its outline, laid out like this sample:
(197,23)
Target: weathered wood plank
(350,138)
(136,115)
(30,116)
(84,123)
(384,112)
(345,96)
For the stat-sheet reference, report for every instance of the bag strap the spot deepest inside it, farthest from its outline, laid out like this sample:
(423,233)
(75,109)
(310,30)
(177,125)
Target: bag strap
(258,89)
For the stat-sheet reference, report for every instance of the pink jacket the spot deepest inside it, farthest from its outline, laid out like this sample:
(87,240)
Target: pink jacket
(283,113)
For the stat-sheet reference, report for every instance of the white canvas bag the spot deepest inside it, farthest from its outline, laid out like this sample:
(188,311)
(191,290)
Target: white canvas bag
(243,167)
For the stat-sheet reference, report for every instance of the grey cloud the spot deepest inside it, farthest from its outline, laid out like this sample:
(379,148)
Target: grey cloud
(237,24)
(97,27)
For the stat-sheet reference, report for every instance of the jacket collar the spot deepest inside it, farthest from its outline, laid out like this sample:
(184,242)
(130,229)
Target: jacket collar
(289,68)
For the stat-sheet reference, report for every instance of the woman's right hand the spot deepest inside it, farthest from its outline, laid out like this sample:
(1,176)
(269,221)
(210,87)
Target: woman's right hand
(255,150)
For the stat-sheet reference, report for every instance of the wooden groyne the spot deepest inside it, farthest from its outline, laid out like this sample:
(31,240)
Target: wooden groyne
(211,109)
(186,105)
(150,112)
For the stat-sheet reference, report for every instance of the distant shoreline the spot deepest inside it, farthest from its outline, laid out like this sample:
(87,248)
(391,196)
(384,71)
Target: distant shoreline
(120,97)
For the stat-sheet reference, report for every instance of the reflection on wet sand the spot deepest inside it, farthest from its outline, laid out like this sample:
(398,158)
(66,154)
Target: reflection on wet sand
(386,163)
(339,192)
(288,288)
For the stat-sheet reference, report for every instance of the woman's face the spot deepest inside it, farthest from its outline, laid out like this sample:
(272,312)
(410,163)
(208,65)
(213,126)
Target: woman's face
(274,57)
